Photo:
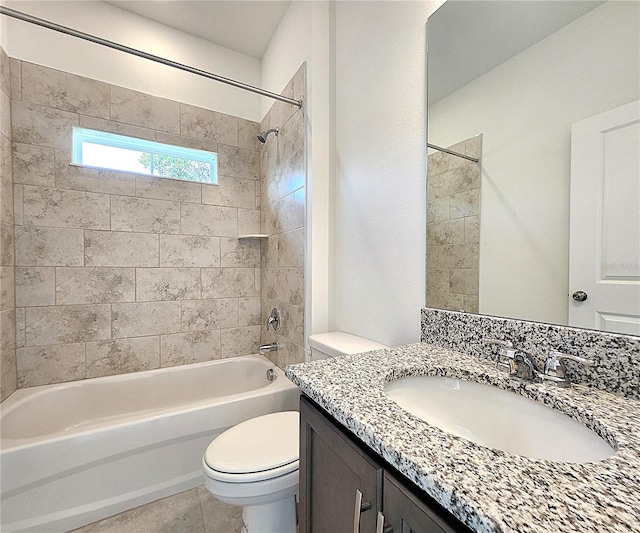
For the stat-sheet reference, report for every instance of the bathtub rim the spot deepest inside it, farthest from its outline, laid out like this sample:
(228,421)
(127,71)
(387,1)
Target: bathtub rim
(21,395)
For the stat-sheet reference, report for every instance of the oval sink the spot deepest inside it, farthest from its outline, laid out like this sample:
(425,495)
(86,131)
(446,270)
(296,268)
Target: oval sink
(498,419)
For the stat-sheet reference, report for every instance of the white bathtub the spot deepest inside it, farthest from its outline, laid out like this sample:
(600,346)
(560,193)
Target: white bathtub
(77,452)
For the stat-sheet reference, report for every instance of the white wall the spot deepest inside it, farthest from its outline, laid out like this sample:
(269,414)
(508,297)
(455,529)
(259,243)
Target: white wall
(46,47)
(524,109)
(380,198)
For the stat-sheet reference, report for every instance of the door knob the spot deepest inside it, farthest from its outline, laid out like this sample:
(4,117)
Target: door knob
(579,296)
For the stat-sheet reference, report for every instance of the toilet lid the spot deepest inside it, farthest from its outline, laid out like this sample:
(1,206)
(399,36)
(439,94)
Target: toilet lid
(257,445)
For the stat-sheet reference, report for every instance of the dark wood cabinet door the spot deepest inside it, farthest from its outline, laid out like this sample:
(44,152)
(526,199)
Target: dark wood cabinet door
(405,512)
(332,470)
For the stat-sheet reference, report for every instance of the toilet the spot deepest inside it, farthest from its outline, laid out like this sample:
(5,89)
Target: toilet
(255,463)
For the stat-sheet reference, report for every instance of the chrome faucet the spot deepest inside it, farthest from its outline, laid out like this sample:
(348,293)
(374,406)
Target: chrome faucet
(521,364)
(264,348)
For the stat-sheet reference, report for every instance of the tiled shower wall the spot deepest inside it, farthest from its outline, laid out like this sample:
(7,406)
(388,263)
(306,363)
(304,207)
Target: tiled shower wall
(283,207)
(117,272)
(8,376)
(453,213)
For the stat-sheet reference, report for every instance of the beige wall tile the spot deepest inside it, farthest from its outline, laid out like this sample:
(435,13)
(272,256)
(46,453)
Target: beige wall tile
(239,253)
(285,285)
(465,204)
(35,124)
(438,209)
(168,189)
(458,256)
(49,246)
(7,331)
(61,90)
(191,347)
(454,302)
(201,315)
(464,281)
(33,165)
(189,251)
(463,178)
(248,134)
(209,220)
(154,284)
(231,192)
(5,72)
(6,163)
(64,324)
(138,214)
(79,178)
(144,319)
(472,229)
(228,282)
(249,221)
(7,245)
(290,248)
(208,125)
(5,115)
(121,356)
(62,208)
(16,78)
(288,353)
(446,232)
(287,214)
(112,126)
(43,365)
(249,311)
(8,375)
(7,288)
(437,280)
(20,328)
(35,286)
(238,163)
(292,323)
(471,303)
(112,248)
(92,285)
(140,109)
(187,142)
(239,341)
(18,204)
(6,202)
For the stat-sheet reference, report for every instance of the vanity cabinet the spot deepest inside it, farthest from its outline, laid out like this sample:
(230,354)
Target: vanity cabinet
(345,487)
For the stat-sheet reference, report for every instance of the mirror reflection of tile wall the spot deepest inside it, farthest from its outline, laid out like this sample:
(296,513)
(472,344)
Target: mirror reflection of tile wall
(453,227)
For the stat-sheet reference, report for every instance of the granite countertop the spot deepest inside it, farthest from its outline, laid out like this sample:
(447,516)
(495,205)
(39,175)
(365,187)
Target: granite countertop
(487,489)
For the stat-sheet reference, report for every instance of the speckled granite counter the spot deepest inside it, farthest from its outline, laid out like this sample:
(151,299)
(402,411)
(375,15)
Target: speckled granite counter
(489,490)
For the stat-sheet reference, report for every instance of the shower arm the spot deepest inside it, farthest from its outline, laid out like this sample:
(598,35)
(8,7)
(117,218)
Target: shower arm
(139,53)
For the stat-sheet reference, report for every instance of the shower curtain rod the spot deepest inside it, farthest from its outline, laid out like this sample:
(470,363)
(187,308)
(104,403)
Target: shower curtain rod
(110,44)
(451,152)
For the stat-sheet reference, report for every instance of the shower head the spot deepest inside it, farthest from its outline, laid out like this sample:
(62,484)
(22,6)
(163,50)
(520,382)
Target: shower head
(262,137)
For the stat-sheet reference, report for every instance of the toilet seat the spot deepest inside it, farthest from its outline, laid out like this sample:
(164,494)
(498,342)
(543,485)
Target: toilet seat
(256,450)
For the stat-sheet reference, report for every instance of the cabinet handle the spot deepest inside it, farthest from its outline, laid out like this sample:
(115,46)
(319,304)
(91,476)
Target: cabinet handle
(380,527)
(359,508)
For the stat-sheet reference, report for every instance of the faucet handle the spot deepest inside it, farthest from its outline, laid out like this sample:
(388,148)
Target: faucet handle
(506,351)
(554,368)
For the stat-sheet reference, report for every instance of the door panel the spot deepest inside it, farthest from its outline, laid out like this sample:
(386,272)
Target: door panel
(605,221)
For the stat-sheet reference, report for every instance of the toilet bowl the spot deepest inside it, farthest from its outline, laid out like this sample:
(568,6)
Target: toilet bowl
(255,465)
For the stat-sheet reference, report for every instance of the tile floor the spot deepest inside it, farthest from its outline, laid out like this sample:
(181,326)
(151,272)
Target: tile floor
(193,511)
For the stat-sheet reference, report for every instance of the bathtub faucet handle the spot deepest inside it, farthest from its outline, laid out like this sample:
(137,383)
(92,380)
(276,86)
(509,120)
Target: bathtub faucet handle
(274,319)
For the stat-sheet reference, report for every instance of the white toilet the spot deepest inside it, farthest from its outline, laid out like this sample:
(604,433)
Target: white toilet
(255,464)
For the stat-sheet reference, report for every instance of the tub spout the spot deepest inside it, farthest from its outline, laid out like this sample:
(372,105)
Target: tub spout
(264,348)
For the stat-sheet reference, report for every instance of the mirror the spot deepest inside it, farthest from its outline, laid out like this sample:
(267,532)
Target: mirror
(507,80)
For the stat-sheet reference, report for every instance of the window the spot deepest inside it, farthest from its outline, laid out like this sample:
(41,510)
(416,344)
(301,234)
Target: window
(117,152)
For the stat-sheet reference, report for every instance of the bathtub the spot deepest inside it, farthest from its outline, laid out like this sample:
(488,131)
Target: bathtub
(74,453)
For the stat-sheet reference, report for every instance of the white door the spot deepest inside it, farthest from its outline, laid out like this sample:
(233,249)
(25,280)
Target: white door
(604,250)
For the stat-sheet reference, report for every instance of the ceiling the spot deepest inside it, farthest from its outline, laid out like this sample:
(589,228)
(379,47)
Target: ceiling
(245,26)
(470,37)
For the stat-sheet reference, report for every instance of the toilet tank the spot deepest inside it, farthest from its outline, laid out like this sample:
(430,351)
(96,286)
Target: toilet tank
(335,343)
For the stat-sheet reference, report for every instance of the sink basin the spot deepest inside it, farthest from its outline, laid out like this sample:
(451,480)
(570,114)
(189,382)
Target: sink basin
(498,419)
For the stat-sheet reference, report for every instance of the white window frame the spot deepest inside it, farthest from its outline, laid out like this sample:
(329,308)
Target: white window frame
(81,135)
